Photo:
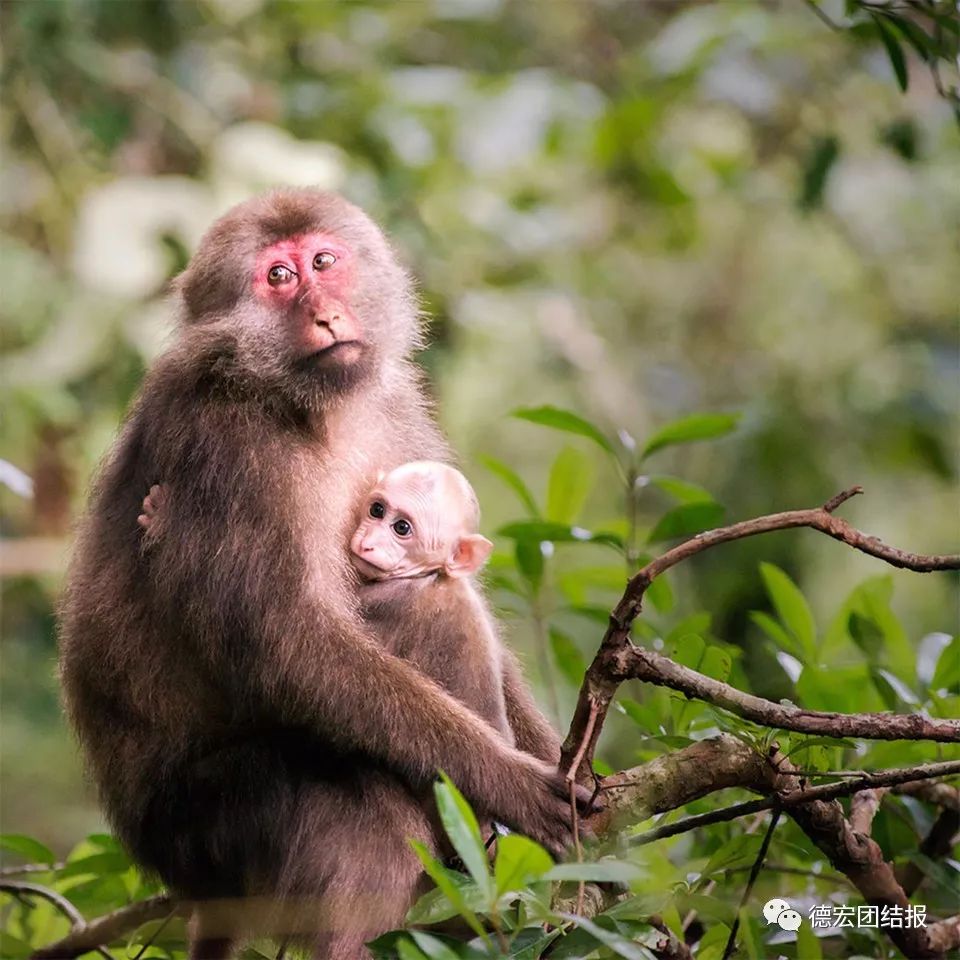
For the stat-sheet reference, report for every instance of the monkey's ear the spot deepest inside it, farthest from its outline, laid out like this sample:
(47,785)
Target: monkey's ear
(470,555)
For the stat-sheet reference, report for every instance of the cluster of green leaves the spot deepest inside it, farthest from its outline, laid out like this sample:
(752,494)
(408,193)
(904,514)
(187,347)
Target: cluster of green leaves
(510,903)
(97,877)
(563,597)
(930,28)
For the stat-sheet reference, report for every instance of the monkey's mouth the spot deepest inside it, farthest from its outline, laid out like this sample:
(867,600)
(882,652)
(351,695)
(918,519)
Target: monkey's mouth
(367,570)
(343,351)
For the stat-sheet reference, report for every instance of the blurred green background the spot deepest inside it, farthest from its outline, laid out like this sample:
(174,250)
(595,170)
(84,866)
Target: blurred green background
(631,210)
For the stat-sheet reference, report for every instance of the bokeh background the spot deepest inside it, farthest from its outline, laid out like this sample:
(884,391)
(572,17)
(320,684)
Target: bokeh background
(631,210)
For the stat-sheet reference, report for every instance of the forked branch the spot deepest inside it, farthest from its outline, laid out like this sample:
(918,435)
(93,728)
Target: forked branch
(618,659)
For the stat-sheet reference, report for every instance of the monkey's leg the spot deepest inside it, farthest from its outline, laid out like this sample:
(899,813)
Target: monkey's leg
(353,875)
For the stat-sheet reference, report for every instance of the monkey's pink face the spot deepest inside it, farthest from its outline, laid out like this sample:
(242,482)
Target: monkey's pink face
(308,279)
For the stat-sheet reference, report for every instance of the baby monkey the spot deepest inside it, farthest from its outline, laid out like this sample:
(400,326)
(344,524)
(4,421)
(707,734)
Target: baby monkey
(416,548)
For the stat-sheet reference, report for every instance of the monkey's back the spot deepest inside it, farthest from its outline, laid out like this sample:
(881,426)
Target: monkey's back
(166,736)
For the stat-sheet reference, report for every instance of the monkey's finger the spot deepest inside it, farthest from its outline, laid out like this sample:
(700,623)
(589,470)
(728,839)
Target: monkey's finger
(588,800)
(144,521)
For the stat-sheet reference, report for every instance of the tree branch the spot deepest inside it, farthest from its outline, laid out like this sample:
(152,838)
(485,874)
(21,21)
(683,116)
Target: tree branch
(21,888)
(861,859)
(618,659)
(108,928)
(826,791)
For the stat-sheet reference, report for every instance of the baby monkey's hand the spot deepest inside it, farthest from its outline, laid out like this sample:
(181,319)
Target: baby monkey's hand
(154,504)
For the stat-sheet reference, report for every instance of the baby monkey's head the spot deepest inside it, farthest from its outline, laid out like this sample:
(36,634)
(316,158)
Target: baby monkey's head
(420,518)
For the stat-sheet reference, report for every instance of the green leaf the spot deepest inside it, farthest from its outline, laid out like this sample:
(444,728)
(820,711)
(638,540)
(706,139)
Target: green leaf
(529,944)
(819,162)
(808,943)
(781,639)
(641,714)
(741,851)
(698,623)
(699,426)
(571,477)
(13,947)
(513,481)
(941,875)
(716,663)
(812,742)
(866,634)
(682,490)
(32,851)
(601,871)
(558,419)
(568,657)
(612,941)
(947,674)
(408,951)
(462,828)
(529,557)
(686,520)
(894,52)
(660,594)
(688,650)
(899,693)
(432,946)
(792,608)
(435,907)
(519,860)
(441,877)
(540,530)
(97,865)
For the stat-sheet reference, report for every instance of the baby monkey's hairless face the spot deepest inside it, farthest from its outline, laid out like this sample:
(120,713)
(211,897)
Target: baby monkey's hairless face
(420,518)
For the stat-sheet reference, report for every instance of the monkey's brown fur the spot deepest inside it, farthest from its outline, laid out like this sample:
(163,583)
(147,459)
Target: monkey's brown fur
(442,626)
(248,737)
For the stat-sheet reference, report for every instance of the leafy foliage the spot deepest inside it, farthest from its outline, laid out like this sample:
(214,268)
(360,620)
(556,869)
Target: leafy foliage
(627,219)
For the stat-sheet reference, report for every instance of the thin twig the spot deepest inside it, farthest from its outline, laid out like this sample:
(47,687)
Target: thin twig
(585,741)
(575,818)
(23,868)
(822,16)
(23,889)
(751,880)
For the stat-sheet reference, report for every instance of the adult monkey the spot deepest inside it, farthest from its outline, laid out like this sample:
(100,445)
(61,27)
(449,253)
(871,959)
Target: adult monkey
(248,737)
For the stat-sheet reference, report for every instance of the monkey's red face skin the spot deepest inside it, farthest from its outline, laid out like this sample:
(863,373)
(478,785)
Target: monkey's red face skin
(308,279)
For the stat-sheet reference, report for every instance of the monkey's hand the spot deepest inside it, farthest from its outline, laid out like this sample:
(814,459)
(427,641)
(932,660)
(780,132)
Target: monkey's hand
(538,805)
(154,510)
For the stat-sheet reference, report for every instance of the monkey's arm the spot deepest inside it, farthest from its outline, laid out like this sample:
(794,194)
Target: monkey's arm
(287,655)
(533,732)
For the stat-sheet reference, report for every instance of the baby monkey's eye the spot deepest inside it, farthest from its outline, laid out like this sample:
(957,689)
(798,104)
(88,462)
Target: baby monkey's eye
(323,261)
(402,528)
(279,274)
(377,510)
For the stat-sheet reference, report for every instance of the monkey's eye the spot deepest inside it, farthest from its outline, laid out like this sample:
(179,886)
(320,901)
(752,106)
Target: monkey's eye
(402,528)
(377,510)
(323,261)
(278,274)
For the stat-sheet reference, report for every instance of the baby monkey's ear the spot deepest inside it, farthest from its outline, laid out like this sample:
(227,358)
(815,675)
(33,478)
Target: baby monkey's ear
(469,556)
